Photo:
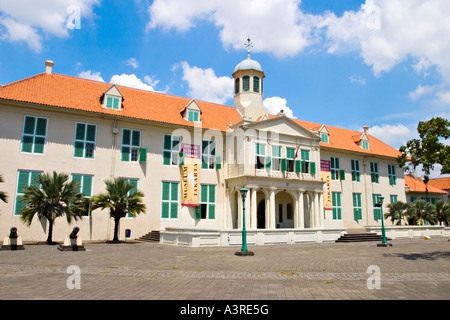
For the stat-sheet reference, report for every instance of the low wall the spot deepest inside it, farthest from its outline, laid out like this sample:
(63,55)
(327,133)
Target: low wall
(200,238)
(398,232)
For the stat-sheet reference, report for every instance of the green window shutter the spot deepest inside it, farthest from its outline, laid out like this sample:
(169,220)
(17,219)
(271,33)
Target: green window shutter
(283,165)
(166,158)
(143,155)
(90,133)
(136,138)
(116,103)
(166,191)
(167,142)
(218,163)
(211,211)
(125,154)
(77,178)
(181,158)
(198,212)
(312,167)
(303,162)
(34,176)
(212,194)
(79,132)
(87,186)
(290,153)
(39,145)
(29,125)
(165,210)
(204,193)
(126,136)
(342,174)
(298,166)
(27,144)
(79,149)
(41,127)
(173,210)
(174,191)
(109,102)
(23,181)
(268,162)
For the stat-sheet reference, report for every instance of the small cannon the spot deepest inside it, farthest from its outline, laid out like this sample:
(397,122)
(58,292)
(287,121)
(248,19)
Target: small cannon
(72,242)
(13,241)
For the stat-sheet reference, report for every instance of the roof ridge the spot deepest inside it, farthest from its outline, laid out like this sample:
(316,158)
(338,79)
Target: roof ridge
(22,80)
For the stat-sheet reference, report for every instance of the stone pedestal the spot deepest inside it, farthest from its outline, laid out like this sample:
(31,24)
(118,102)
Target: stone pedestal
(72,244)
(12,243)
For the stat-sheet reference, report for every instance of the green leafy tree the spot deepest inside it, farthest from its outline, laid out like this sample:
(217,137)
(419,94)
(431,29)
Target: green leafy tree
(396,211)
(3,195)
(54,197)
(443,212)
(120,200)
(429,150)
(420,211)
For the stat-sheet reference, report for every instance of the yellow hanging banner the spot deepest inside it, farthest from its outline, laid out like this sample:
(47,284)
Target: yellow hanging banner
(190,171)
(325,174)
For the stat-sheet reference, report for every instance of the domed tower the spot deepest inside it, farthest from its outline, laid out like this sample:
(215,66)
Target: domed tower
(248,87)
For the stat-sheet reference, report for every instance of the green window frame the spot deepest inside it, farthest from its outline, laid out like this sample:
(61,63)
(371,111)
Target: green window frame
(357,206)
(365,144)
(193,115)
(336,205)
(324,137)
(34,134)
(393,198)
(131,145)
(255,84)
(290,155)
(208,154)
(334,168)
(245,83)
(113,103)
(260,161)
(276,158)
(392,176)
(169,202)
(376,210)
(84,145)
(207,204)
(356,174)
(86,187)
(374,172)
(171,149)
(25,178)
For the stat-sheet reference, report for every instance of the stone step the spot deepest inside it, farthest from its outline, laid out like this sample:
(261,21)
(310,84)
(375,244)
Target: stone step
(360,237)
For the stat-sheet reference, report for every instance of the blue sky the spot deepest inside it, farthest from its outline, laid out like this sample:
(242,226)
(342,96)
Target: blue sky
(347,63)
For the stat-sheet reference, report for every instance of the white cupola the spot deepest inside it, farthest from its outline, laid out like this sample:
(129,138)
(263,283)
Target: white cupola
(248,87)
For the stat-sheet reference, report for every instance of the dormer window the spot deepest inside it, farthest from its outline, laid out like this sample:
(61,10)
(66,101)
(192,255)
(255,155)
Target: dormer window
(193,115)
(324,137)
(112,98)
(365,144)
(324,134)
(113,103)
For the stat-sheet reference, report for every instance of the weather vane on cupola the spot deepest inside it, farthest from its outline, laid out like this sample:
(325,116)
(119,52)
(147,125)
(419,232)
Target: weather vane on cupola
(248,45)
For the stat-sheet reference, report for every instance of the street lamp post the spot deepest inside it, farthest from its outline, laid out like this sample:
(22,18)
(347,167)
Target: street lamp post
(244,251)
(383,231)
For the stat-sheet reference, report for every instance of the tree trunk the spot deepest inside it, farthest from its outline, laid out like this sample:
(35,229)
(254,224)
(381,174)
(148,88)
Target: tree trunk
(50,232)
(116,229)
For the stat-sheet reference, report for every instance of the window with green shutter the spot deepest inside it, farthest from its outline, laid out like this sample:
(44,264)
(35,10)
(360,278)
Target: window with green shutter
(290,155)
(374,172)
(171,149)
(169,207)
(336,205)
(34,134)
(207,205)
(356,175)
(365,145)
(208,154)
(193,115)
(334,166)
(276,158)
(324,137)
(131,145)
(376,210)
(391,172)
(85,188)
(24,179)
(84,145)
(113,103)
(260,161)
(393,198)
(357,207)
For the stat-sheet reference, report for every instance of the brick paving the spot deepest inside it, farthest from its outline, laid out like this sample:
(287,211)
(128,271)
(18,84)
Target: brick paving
(410,269)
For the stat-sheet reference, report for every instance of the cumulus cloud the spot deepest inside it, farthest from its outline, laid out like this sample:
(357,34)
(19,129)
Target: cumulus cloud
(274,105)
(30,20)
(132,62)
(203,84)
(421,91)
(394,135)
(130,80)
(91,75)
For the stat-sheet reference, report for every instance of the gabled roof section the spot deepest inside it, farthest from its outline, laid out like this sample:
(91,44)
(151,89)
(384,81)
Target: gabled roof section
(417,185)
(288,126)
(84,95)
(192,105)
(441,183)
(113,91)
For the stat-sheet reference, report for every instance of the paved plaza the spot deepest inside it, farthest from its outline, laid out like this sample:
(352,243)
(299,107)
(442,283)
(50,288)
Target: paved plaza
(410,269)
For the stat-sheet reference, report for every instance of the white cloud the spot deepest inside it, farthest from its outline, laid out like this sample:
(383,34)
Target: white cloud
(31,20)
(394,135)
(356,78)
(132,62)
(91,75)
(274,105)
(205,85)
(130,80)
(421,91)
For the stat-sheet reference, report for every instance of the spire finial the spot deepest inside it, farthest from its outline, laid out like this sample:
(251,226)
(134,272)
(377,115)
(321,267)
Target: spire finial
(248,45)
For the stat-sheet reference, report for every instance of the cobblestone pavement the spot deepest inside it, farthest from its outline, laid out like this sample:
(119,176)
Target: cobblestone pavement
(410,269)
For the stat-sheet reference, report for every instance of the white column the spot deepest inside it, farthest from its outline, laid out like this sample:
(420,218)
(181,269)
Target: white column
(316,210)
(300,211)
(253,208)
(272,209)
(321,210)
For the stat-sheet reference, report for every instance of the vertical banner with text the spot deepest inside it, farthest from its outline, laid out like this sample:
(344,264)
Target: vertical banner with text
(325,169)
(190,171)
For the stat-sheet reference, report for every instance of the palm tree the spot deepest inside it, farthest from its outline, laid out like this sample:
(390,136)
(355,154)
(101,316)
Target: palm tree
(55,197)
(420,211)
(120,199)
(397,211)
(443,212)
(3,195)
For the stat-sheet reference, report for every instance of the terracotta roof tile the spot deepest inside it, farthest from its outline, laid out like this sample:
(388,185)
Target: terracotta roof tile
(441,183)
(417,185)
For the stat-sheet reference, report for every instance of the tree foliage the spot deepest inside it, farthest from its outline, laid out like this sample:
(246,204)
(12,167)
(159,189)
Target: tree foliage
(429,150)
(3,195)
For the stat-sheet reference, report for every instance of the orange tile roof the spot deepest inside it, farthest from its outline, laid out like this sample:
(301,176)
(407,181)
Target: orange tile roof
(441,183)
(345,139)
(417,185)
(82,94)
